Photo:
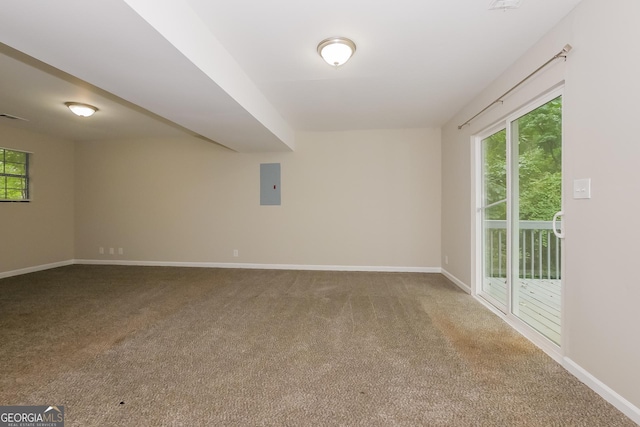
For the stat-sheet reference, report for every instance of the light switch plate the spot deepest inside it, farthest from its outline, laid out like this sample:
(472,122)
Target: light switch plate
(582,188)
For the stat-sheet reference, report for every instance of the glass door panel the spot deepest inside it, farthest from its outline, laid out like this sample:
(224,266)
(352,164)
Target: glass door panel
(494,219)
(536,187)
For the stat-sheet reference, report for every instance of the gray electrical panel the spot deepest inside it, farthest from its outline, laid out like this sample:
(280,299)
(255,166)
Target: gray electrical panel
(270,184)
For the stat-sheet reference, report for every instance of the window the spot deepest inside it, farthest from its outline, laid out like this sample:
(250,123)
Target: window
(14,175)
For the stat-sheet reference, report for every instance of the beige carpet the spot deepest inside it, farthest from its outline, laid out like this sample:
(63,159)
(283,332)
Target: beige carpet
(146,346)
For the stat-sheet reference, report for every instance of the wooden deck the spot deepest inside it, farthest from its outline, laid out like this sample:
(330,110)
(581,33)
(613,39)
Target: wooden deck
(535,301)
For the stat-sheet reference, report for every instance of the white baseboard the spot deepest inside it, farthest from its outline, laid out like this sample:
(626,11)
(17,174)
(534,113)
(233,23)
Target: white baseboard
(623,405)
(457,281)
(263,266)
(35,268)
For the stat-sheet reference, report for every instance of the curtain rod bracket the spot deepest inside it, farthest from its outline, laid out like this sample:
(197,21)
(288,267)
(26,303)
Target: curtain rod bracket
(562,54)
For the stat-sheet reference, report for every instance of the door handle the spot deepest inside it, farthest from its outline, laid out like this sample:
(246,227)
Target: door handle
(559,234)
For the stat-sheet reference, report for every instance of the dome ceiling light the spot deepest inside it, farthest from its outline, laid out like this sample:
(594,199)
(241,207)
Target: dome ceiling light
(82,110)
(336,50)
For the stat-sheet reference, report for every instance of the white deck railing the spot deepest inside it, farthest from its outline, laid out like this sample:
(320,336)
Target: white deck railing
(539,252)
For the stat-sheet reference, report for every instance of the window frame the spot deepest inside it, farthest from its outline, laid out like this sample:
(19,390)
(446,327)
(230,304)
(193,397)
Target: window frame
(26,177)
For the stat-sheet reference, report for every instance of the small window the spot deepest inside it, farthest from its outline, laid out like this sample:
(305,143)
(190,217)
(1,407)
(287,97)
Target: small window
(14,176)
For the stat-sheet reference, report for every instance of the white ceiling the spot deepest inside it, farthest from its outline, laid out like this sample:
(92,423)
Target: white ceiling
(246,73)
(35,91)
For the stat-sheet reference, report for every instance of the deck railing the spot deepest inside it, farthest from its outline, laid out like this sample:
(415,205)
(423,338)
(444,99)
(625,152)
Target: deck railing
(539,253)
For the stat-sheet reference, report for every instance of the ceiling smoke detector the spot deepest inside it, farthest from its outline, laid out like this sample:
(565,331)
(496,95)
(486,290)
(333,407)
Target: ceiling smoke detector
(504,4)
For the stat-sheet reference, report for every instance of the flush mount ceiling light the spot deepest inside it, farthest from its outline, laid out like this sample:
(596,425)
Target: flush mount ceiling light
(336,50)
(504,4)
(82,110)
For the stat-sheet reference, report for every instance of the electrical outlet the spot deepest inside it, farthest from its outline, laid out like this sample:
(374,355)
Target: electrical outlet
(120,251)
(235,252)
(101,250)
(111,251)
(446,259)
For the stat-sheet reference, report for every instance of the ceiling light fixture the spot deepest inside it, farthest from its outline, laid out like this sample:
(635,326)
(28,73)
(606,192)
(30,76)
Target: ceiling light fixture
(336,50)
(82,110)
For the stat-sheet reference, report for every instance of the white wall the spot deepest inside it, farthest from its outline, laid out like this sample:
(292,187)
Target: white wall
(600,142)
(39,232)
(360,198)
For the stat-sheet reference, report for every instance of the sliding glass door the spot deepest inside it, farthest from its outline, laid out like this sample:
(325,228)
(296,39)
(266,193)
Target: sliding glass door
(521,191)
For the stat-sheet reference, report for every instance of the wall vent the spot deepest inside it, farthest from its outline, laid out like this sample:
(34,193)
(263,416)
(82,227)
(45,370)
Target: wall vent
(11,117)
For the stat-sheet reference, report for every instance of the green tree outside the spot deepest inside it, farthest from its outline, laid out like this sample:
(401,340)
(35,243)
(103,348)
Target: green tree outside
(539,134)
